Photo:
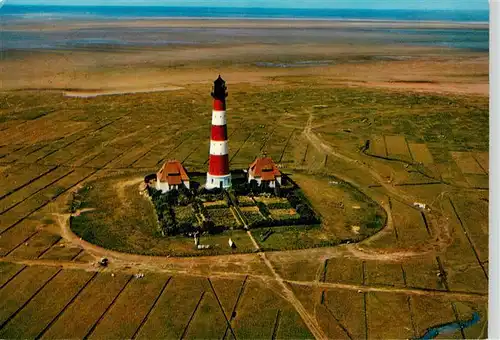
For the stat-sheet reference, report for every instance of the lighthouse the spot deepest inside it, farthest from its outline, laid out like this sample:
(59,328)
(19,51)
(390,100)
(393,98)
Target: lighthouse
(218,175)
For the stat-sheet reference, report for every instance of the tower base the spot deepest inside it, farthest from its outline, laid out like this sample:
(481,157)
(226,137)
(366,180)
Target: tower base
(213,182)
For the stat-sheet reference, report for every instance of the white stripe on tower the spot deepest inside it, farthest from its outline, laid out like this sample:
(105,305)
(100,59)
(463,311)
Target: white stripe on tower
(218,148)
(218,117)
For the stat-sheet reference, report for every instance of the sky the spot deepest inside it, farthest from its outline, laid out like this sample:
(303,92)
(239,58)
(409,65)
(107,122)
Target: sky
(351,4)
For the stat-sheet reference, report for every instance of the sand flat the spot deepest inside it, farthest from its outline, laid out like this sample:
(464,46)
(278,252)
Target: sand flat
(243,23)
(91,94)
(172,53)
(80,73)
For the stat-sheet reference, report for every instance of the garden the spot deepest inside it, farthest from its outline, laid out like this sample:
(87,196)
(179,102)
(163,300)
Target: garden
(189,211)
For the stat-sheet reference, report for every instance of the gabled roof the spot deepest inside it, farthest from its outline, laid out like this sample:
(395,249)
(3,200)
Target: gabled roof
(173,173)
(265,168)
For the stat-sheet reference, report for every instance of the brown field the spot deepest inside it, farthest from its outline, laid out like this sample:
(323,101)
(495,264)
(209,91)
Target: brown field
(32,133)
(347,306)
(61,251)
(467,163)
(344,270)
(21,288)
(87,309)
(408,218)
(397,147)
(377,146)
(8,270)
(46,304)
(483,159)
(174,309)
(299,270)
(262,301)
(423,273)
(16,237)
(129,309)
(209,321)
(474,215)
(85,257)
(478,181)
(430,310)
(108,117)
(340,209)
(227,292)
(420,153)
(36,246)
(390,274)
(378,306)
(464,310)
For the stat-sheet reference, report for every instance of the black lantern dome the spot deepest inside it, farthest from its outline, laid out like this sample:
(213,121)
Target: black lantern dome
(219,90)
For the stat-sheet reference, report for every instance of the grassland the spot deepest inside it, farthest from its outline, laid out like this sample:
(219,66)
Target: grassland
(129,309)
(45,305)
(116,216)
(263,302)
(423,269)
(174,309)
(79,319)
(21,288)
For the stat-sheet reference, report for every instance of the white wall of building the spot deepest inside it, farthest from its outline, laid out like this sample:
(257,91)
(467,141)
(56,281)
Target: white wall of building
(214,182)
(164,187)
(272,184)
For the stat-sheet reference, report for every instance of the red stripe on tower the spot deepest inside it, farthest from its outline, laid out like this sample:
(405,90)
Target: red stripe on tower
(219,104)
(219,165)
(218,175)
(219,133)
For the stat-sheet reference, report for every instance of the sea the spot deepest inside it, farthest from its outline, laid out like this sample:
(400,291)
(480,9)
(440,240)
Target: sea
(15,36)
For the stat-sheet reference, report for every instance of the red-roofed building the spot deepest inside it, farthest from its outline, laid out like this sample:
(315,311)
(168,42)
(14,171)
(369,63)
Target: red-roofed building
(172,176)
(264,171)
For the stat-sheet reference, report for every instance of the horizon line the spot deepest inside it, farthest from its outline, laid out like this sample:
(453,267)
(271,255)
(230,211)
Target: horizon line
(6,3)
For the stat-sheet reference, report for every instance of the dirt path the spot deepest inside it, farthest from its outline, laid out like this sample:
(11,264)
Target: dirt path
(255,244)
(265,279)
(402,290)
(120,187)
(82,211)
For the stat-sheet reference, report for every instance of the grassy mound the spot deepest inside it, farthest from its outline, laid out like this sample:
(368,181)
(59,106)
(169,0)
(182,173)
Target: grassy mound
(121,219)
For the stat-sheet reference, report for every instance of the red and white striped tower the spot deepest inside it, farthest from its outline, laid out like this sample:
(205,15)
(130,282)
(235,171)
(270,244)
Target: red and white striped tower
(218,175)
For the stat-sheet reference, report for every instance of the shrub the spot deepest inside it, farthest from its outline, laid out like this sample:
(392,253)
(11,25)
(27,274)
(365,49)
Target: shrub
(279,205)
(183,199)
(168,224)
(376,223)
(185,228)
(263,209)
